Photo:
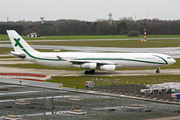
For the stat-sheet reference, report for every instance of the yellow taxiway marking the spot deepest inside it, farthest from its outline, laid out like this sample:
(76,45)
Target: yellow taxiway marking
(175,74)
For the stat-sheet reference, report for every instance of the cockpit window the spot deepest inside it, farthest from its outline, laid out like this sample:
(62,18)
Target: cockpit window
(169,58)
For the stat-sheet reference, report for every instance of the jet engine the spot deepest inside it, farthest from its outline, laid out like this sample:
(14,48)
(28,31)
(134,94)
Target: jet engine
(108,67)
(89,65)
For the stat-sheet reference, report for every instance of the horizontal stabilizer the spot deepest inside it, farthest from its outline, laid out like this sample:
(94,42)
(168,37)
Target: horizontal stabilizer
(20,55)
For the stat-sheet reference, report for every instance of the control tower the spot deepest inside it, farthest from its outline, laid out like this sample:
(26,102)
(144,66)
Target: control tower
(110,18)
(42,19)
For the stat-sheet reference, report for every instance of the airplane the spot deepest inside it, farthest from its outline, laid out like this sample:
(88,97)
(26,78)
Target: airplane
(88,61)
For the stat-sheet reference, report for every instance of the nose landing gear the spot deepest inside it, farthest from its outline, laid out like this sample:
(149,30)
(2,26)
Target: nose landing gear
(158,70)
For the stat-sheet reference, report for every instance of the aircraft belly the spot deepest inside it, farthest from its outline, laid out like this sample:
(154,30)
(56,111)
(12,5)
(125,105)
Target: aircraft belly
(134,64)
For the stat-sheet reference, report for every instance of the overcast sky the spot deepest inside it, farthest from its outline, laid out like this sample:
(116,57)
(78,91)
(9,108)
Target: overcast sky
(88,10)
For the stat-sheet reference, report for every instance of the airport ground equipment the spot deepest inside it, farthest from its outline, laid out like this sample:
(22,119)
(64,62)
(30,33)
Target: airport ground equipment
(89,84)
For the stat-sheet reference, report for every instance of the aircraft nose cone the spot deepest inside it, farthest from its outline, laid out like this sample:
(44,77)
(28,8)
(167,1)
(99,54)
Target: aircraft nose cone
(172,61)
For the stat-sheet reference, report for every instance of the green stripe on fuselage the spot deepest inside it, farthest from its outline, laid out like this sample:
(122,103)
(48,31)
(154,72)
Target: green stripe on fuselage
(162,59)
(38,57)
(126,60)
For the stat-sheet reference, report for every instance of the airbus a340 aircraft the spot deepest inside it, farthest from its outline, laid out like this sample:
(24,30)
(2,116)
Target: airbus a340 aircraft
(88,61)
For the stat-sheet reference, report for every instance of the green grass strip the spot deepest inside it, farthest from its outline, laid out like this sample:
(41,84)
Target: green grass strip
(75,81)
(74,37)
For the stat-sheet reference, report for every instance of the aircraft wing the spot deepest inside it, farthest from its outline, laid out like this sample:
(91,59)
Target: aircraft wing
(86,61)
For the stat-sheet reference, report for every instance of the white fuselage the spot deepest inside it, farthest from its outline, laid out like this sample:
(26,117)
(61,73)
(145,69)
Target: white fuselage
(121,60)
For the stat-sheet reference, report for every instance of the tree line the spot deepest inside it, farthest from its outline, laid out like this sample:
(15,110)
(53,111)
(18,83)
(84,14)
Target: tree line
(100,27)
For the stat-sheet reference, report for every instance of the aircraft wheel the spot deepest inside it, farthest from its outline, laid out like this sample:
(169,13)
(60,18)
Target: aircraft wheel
(86,72)
(157,71)
(92,71)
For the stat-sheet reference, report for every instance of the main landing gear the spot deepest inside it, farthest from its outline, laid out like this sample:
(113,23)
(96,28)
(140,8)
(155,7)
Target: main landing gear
(89,72)
(158,70)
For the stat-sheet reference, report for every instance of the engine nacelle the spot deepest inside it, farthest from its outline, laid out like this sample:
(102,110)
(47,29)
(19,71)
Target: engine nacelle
(88,65)
(108,67)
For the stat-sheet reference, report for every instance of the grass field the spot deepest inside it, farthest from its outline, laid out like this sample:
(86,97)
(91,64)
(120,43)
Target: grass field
(74,82)
(3,37)
(113,43)
(4,50)
(104,43)
(116,43)
(5,57)
(75,37)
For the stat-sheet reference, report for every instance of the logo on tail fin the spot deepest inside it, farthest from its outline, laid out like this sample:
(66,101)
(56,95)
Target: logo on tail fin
(17,42)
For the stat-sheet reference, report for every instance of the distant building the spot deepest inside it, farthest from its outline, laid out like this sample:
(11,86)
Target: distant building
(32,35)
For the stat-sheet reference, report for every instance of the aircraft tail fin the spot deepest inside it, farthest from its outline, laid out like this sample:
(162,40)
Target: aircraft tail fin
(18,43)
